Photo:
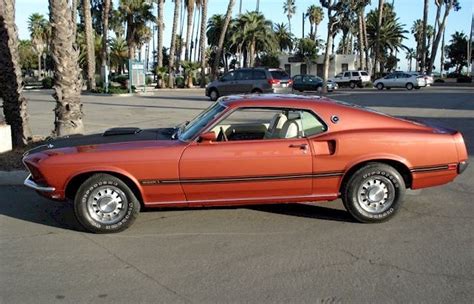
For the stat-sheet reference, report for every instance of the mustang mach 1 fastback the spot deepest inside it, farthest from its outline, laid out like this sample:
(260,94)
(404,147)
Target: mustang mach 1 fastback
(253,149)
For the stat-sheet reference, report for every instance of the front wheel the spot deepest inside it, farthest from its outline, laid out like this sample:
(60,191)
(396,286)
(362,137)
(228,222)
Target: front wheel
(213,94)
(379,86)
(374,193)
(105,204)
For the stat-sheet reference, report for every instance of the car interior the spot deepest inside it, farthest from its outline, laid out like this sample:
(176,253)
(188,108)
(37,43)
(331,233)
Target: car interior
(261,124)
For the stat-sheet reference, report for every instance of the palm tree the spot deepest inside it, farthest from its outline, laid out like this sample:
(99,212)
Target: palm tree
(67,74)
(37,25)
(315,15)
(189,69)
(74,16)
(136,13)
(423,35)
(362,34)
(283,37)
(190,4)
(105,34)
(171,67)
(289,7)
(377,41)
(255,33)
(202,43)
(416,30)
(222,35)
(118,53)
(410,56)
(11,89)
(86,7)
(331,6)
(448,6)
(161,28)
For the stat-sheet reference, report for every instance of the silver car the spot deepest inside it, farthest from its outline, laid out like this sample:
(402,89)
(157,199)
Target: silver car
(400,80)
(250,80)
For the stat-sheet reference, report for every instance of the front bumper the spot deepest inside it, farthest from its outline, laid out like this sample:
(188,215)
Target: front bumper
(30,183)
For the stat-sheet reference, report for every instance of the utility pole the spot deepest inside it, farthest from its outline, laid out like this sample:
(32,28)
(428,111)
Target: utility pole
(240,8)
(258,6)
(302,25)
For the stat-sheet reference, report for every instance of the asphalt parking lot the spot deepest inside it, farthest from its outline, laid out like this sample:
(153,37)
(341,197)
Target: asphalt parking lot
(297,253)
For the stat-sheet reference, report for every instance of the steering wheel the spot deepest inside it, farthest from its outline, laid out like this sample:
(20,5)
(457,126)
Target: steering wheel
(224,136)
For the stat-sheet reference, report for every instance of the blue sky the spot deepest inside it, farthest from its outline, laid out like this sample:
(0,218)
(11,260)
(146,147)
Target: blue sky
(407,10)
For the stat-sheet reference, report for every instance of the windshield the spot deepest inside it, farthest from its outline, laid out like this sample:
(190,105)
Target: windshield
(200,121)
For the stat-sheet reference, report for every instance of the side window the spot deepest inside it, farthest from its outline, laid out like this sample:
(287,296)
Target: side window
(228,77)
(347,74)
(259,75)
(297,79)
(355,74)
(243,75)
(311,125)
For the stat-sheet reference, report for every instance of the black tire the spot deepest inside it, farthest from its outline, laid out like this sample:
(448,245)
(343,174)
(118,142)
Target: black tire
(417,88)
(352,85)
(213,94)
(389,88)
(409,86)
(378,180)
(257,91)
(114,188)
(379,86)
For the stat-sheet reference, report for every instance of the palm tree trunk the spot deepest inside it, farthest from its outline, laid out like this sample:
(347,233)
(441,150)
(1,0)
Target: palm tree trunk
(196,37)
(160,25)
(441,59)
(40,72)
(228,16)
(189,27)
(328,48)
(130,41)
(67,74)
(366,44)
(86,7)
(202,43)
(377,42)
(11,88)
(289,24)
(177,4)
(423,35)
(105,37)
(361,40)
(74,16)
(439,34)
(252,54)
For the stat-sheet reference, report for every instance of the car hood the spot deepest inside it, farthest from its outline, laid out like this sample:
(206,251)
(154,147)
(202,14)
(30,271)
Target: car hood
(110,136)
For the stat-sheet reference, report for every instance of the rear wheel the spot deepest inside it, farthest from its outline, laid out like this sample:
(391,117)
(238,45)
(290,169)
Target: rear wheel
(352,85)
(213,94)
(105,204)
(374,193)
(409,86)
(379,86)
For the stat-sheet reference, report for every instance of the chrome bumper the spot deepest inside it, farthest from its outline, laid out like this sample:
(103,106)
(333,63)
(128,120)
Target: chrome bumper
(33,185)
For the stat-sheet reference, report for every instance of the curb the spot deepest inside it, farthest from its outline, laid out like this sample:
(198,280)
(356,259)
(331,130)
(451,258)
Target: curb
(12,178)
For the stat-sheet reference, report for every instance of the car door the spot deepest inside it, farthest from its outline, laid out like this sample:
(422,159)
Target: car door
(297,83)
(241,170)
(226,83)
(243,82)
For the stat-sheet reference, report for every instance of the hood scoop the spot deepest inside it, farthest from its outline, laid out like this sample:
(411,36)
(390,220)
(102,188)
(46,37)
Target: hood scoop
(121,131)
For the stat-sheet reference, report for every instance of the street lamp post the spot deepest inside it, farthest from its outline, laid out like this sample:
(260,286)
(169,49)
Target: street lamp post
(44,63)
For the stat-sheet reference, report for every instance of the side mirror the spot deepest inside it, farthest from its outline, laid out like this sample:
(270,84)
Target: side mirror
(207,137)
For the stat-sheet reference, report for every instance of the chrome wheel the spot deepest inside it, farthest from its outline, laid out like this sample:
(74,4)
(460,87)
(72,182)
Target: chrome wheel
(375,195)
(107,204)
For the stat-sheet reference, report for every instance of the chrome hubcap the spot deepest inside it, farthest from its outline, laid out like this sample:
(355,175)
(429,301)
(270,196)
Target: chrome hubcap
(106,204)
(374,196)
(213,95)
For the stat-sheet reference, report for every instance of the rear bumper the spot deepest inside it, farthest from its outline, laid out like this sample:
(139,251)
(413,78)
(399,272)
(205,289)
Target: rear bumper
(462,166)
(30,183)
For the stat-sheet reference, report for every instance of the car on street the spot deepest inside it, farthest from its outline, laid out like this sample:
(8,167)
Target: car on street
(249,149)
(250,80)
(303,83)
(352,79)
(428,78)
(400,80)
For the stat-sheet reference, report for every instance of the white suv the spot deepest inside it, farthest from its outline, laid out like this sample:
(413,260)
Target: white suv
(352,78)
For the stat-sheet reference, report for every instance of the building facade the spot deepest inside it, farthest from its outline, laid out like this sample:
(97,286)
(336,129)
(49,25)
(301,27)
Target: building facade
(337,63)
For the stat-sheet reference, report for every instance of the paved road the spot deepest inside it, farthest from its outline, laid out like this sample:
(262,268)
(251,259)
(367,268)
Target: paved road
(272,254)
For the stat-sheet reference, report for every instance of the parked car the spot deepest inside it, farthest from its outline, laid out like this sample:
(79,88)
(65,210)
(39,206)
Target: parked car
(250,80)
(352,79)
(303,83)
(254,149)
(400,80)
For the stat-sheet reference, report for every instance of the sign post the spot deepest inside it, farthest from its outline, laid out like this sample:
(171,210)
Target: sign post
(136,75)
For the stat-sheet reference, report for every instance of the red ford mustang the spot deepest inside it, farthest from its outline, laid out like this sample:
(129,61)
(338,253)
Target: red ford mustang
(249,150)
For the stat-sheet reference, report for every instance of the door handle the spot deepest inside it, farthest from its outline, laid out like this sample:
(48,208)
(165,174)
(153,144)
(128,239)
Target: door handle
(301,146)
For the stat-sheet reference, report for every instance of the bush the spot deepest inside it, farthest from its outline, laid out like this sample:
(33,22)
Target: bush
(122,79)
(453,75)
(47,83)
(179,81)
(464,79)
(148,80)
(439,80)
